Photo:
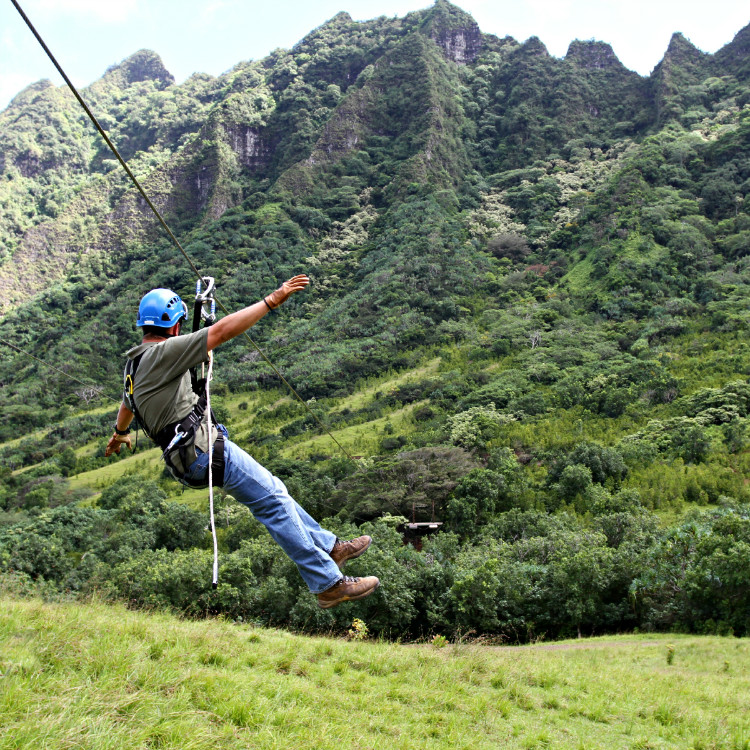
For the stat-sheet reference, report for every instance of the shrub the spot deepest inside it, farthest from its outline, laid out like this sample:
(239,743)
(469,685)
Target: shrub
(475,427)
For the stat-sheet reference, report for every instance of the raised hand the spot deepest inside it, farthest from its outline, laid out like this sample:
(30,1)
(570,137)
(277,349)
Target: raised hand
(295,284)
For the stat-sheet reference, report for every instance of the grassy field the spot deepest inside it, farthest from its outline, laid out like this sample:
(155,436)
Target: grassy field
(97,676)
(361,439)
(98,479)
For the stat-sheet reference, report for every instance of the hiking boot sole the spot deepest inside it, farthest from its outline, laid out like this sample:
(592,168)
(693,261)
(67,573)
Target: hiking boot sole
(328,605)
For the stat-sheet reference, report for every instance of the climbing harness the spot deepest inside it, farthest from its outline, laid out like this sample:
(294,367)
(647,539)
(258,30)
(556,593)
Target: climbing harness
(128,385)
(178,438)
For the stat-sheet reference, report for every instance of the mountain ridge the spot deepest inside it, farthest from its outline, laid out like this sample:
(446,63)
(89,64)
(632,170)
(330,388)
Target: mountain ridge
(238,142)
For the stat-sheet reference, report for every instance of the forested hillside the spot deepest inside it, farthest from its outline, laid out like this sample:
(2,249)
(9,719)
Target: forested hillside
(527,319)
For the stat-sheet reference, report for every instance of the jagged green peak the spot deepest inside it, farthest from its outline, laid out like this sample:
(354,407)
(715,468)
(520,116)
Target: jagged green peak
(740,45)
(341,19)
(332,32)
(681,48)
(28,94)
(682,58)
(447,16)
(735,56)
(592,54)
(534,46)
(680,44)
(143,65)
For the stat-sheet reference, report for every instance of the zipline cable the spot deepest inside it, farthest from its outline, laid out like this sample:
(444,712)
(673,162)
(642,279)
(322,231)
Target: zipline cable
(103,134)
(158,215)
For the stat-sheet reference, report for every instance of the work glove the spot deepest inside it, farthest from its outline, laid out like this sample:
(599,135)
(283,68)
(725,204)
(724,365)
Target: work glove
(116,442)
(295,284)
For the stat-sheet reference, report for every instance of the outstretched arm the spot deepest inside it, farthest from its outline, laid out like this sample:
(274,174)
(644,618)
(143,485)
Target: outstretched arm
(124,418)
(238,322)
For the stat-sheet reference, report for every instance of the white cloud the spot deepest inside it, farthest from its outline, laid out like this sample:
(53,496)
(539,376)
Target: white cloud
(105,11)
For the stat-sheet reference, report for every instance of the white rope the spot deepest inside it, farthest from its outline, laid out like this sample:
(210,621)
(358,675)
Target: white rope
(215,580)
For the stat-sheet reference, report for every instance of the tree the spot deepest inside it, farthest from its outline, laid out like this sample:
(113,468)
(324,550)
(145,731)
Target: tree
(475,427)
(473,501)
(509,245)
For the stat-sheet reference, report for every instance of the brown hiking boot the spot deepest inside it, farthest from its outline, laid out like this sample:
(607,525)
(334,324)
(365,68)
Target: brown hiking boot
(347,590)
(343,551)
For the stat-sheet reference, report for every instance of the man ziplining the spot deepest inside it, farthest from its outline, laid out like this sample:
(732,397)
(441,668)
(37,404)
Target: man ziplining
(171,408)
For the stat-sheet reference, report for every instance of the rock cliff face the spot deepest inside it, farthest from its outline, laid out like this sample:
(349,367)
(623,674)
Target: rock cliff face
(250,145)
(460,45)
(51,250)
(455,32)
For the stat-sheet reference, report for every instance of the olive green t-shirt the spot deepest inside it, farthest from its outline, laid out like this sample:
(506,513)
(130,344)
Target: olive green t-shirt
(162,390)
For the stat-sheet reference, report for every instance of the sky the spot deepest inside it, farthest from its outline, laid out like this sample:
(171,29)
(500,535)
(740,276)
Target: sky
(211,36)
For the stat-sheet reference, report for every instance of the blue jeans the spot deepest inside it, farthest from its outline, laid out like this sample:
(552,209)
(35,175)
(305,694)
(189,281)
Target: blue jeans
(296,532)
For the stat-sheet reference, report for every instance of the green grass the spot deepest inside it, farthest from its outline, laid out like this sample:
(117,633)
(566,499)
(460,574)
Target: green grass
(387,383)
(145,463)
(100,677)
(579,276)
(36,435)
(139,463)
(39,434)
(361,439)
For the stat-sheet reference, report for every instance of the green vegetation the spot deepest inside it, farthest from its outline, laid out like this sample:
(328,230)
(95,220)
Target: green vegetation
(101,677)
(528,320)
(593,561)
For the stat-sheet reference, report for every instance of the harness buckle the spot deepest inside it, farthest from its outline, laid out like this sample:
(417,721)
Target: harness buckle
(176,439)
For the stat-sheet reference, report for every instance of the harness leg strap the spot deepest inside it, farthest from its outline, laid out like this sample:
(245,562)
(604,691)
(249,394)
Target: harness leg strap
(217,462)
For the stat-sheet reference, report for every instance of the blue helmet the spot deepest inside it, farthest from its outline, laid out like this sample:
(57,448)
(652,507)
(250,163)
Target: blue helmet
(161,308)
